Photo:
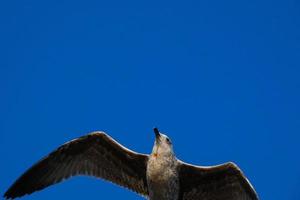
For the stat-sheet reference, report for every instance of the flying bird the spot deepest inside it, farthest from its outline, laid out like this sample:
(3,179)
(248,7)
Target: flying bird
(158,176)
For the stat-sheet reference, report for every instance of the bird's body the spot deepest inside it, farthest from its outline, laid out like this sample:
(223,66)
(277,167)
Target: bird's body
(158,176)
(162,177)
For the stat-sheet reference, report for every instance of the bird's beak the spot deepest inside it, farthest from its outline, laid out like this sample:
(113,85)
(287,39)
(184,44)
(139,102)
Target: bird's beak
(157,134)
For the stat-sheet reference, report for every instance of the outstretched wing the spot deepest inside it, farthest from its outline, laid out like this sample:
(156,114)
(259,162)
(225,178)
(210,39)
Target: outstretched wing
(222,182)
(95,154)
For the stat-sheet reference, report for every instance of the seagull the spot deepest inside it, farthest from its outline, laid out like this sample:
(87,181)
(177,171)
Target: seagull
(158,176)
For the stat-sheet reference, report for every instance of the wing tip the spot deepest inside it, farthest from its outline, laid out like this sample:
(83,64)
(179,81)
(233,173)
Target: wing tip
(13,193)
(8,195)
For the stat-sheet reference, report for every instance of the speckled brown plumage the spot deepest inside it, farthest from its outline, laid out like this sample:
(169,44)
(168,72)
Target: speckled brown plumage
(158,176)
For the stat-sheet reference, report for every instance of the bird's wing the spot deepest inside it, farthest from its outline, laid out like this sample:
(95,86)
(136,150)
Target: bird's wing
(222,182)
(95,154)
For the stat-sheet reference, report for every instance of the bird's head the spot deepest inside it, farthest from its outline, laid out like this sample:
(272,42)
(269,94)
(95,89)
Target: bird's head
(162,146)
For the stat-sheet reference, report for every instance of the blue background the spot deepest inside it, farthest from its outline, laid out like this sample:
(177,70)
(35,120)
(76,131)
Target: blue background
(221,78)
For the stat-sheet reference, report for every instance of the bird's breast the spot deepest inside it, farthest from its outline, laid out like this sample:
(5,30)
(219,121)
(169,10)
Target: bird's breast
(162,179)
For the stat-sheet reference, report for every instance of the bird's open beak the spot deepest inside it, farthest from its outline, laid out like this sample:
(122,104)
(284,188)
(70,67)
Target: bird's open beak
(157,134)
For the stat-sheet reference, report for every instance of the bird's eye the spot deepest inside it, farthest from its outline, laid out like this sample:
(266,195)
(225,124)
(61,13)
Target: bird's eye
(168,140)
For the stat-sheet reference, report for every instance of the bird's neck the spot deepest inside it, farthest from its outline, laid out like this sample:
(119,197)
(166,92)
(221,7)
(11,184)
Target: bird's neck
(161,153)
(162,160)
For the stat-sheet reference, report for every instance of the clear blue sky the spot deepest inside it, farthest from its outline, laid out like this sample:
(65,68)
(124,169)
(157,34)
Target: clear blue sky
(221,78)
